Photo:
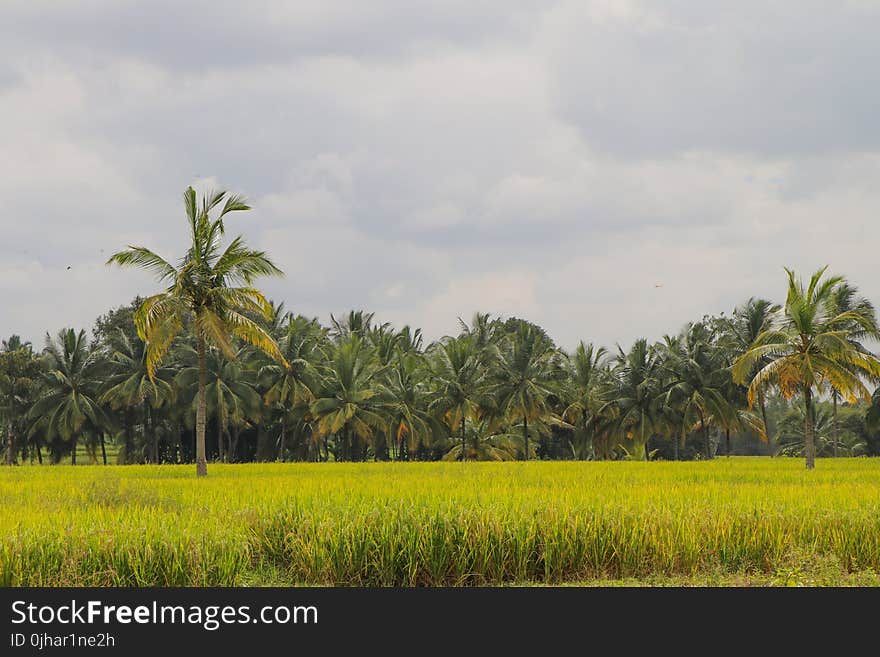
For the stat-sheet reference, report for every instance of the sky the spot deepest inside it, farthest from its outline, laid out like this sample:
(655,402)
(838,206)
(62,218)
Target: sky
(609,169)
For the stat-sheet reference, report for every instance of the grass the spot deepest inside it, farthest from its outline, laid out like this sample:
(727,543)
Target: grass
(740,521)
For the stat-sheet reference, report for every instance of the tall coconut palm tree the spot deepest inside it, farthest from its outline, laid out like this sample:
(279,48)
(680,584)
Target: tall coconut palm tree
(72,380)
(210,289)
(527,376)
(812,346)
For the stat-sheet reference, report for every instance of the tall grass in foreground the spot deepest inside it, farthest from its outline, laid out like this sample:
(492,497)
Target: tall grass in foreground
(431,523)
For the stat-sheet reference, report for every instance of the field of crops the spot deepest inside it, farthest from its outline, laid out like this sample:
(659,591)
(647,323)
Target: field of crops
(410,524)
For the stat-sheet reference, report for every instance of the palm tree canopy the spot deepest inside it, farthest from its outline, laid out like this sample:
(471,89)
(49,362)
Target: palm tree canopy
(813,342)
(211,287)
(72,380)
(351,393)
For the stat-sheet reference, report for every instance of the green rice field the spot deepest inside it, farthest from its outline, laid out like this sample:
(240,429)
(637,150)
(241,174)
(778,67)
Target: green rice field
(727,521)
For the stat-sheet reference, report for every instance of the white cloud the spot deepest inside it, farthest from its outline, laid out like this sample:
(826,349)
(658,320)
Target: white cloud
(427,160)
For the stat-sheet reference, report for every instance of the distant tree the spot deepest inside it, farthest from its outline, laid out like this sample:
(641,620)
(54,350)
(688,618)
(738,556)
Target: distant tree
(72,382)
(108,325)
(696,379)
(348,403)
(632,402)
(19,374)
(740,332)
(290,385)
(528,374)
(128,387)
(411,425)
(586,379)
(461,384)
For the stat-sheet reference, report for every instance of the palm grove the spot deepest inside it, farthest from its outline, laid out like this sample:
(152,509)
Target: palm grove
(209,369)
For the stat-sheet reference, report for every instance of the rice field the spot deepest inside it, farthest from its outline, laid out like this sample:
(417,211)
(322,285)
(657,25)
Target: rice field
(415,524)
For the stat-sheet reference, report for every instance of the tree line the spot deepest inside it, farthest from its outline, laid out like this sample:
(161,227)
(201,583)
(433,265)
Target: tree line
(210,370)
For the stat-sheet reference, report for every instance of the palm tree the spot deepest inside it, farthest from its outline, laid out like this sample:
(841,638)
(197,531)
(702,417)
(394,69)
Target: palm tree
(483,330)
(845,299)
(460,383)
(72,380)
(633,403)
(749,321)
(411,425)
(210,289)
(289,386)
(19,371)
(527,376)
(585,379)
(356,322)
(14,343)
(130,386)
(813,345)
(695,381)
(349,401)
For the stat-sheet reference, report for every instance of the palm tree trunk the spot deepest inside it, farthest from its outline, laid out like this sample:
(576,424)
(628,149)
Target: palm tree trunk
(764,419)
(154,435)
(809,443)
(182,455)
(150,434)
(233,443)
(834,422)
(727,439)
(526,437)
(463,447)
(221,456)
(103,449)
(129,429)
(73,452)
(10,443)
(282,440)
(201,461)
(39,453)
(705,430)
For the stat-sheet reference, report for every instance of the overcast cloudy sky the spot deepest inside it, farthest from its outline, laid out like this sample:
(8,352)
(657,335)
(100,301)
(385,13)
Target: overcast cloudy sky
(550,160)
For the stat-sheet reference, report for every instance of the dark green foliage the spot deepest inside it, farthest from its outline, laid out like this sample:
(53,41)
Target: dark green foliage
(501,389)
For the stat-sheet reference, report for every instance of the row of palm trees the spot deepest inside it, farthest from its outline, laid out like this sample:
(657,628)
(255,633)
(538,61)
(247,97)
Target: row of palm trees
(360,390)
(209,354)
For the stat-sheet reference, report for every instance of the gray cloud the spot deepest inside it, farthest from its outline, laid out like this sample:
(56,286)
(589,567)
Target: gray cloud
(427,160)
